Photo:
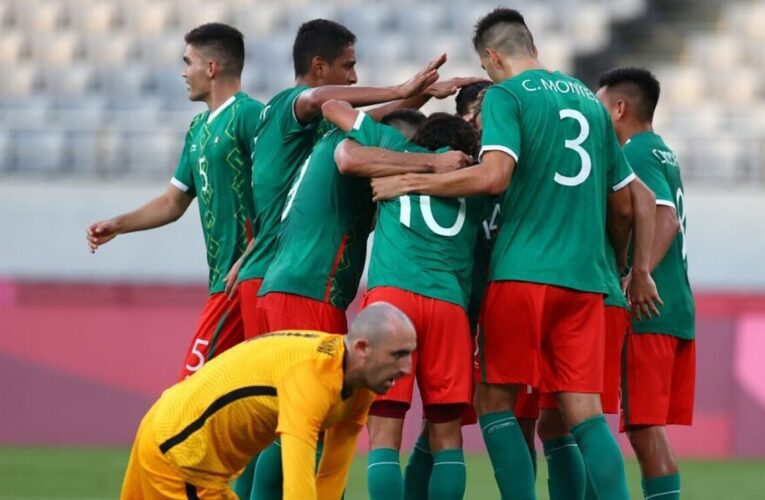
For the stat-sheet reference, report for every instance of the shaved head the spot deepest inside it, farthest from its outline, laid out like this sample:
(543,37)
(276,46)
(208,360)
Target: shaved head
(505,31)
(379,344)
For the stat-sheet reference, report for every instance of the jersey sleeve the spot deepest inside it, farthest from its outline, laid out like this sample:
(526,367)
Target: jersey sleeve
(368,132)
(305,400)
(501,117)
(248,123)
(183,177)
(339,449)
(290,125)
(649,172)
(620,172)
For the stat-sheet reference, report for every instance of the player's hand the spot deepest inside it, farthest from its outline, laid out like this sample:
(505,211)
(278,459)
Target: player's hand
(231,279)
(643,295)
(450,161)
(99,233)
(445,88)
(426,77)
(386,188)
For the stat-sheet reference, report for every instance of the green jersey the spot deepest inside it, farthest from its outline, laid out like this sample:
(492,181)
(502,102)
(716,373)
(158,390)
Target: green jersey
(422,244)
(282,145)
(481,257)
(216,168)
(657,166)
(322,242)
(615,296)
(567,158)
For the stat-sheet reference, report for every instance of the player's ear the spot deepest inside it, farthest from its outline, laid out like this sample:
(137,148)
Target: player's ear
(361,348)
(620,108)
(212,68)
(318,66)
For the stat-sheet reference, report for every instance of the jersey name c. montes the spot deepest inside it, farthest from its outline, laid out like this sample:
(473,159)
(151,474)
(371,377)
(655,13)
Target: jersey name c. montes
(657,166)
(422,244)
(321,246)
(568,157)
(215,167)
(282,144)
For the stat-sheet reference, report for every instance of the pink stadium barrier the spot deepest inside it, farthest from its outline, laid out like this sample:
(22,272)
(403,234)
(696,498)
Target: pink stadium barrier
(81,363)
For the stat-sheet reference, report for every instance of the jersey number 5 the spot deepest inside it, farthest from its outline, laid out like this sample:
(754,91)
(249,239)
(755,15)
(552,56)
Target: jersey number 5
(576,145)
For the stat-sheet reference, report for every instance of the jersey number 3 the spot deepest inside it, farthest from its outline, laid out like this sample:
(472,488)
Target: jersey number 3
(576,145)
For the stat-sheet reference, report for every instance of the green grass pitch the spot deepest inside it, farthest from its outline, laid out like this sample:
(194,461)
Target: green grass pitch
(91,474)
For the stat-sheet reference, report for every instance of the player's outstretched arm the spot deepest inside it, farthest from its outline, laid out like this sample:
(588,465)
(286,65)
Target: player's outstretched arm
(355,159)
(491,177)
(164,209)
(339,449)
(308,104)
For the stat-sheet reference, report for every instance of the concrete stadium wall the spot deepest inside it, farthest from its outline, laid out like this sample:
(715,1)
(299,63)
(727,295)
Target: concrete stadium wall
(81,363)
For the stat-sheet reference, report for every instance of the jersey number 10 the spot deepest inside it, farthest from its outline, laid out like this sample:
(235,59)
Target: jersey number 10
(427,215)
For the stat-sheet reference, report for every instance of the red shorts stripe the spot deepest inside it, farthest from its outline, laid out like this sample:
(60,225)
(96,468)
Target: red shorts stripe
(541,335)
(220,328)
(285,311)
(248,297)
(658,380)
(442,361)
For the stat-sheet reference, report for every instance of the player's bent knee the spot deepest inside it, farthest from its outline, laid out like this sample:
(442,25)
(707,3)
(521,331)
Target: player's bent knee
(492,398)
(551,425)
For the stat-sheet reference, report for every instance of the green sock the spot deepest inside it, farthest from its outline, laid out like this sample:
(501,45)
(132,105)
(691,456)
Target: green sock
(417,473)
(662,487)
(567,477)
(509,455)
(243,484)
(602,457)
(533,455)
(384,481)
(267,482)
(447,482)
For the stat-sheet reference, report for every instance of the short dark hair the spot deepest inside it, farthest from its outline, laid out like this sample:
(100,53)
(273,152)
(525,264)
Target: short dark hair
(504,30)
(468,95)
(225,42)
(411,117)
(638,85)
(445,130)
(319,37)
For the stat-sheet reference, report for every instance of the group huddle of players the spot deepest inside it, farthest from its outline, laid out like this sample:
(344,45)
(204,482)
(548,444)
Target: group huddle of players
(533,244)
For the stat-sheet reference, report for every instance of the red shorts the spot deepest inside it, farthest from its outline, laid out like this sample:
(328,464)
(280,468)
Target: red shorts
(541,335)
(618,323)
(220,328)
(284,311)
(441,362)
(248,296)
(658,380)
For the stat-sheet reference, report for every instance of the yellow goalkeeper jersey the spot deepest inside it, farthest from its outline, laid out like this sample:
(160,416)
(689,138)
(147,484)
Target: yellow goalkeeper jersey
(288,384)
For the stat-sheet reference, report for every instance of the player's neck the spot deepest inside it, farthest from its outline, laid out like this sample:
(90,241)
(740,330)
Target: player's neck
(517,65)
(222,91)
(630,130)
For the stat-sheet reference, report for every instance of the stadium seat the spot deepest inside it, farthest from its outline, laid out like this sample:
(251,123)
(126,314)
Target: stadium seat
(192,13)
(113,50)
(21,82)
(162,51)
(12,47)
(73,81)
(130,80)
(144,17)
(56,49)
(154,153)
(267,19)
(91,17)
(39,16)
(40,150)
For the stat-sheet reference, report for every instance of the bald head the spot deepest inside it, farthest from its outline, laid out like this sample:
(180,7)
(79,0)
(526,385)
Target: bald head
(379,346)
(378,321)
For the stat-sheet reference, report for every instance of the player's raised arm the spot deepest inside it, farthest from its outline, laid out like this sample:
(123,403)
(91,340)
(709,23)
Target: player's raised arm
(164,209)
(308,104)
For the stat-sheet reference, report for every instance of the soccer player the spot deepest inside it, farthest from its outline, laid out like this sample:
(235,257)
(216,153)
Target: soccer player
(294,384)
(542,318)
(321,243)
(422,262)
(215,167)
(324,59)
(468,102)
(660,351)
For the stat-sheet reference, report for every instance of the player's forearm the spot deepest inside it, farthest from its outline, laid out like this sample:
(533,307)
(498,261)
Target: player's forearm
(470,181)
(644,209)
(619,230)
(298,465)
(156,213)
(353,159)
(667,226)
(415,102)
(310,102)
(339,449)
